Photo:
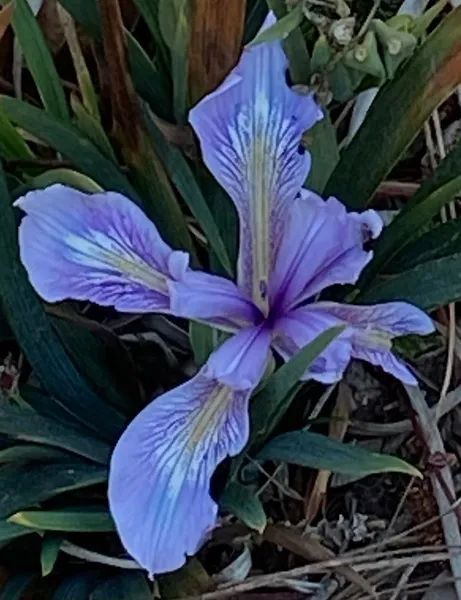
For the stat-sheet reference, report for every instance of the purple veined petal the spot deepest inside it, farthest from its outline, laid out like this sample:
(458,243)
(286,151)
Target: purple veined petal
(160,470)
(241,361)
(300,327)
(373,327)
(250,129)
(97,247)
(322,246)
(199,295)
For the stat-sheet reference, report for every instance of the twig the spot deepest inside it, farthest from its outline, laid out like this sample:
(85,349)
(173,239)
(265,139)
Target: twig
(434,443)
(95,557)
(277,578)
(402,582)
(451,307)
(451,401)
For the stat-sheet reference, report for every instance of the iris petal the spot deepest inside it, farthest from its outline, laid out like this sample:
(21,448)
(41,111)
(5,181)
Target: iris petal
(160,470)
(322,246)
(98,247)
(250,129)
(241,360)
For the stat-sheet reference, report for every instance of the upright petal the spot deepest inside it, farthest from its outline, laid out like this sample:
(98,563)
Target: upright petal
(98,247)
(250,129)
(240,361)
(322,245)
(160,470)
(372,328)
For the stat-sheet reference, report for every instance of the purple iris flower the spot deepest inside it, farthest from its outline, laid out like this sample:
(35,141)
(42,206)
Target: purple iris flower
(293,245)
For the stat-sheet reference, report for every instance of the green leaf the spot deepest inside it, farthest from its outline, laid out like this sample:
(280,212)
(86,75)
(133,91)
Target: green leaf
(26,486)
(35,334)
(11,531)
(39,60)
(30,453)
(271,402)
(282,28)
(294,46)
(190,580)
(429,285)
(92,129)
(65,176)
(11,143)
(242,502)
(149,10)
(128,586)
(76,587)
(150,84)
(398,114)
(49,553)
(16,586)
(25,425)
(323,147)
(79,520)
(68,140)
(406,227)
(174,23)
(181,175)
(203,340)
(309,449)
(439,242)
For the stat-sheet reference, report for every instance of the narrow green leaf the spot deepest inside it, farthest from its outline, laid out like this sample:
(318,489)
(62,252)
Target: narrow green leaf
(190,580)
(76,587)
(282,28)
(49,553)
(174,23)
(149,10)
(28,486)
(323,147)
(270,403)
(25,425)
(128,586)
(92,129)
(68,140)
(294,46)
(203,340)
(78,520)
(11,143)
(38,340)
(309,449)
(11,531)
(439,242)
(406,227)
(16,586)
(30,453)
(65,176)
(39,60)
(181,175)
(153,86)
(429,285)
(242,501)
(398,114)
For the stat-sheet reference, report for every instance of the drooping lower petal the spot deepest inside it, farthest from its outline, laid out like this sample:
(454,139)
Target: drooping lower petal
(372,328)
(160,470)
(250,129)
(322,246)
(240,361)
(300,327)
(199,295)
(98,247)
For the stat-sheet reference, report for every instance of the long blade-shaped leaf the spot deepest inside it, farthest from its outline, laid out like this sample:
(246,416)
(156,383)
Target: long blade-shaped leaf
(320,452)
(39,60)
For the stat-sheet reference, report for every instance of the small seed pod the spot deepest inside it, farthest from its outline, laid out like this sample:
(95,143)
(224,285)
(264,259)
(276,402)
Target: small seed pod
(365,58)
(396,45)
